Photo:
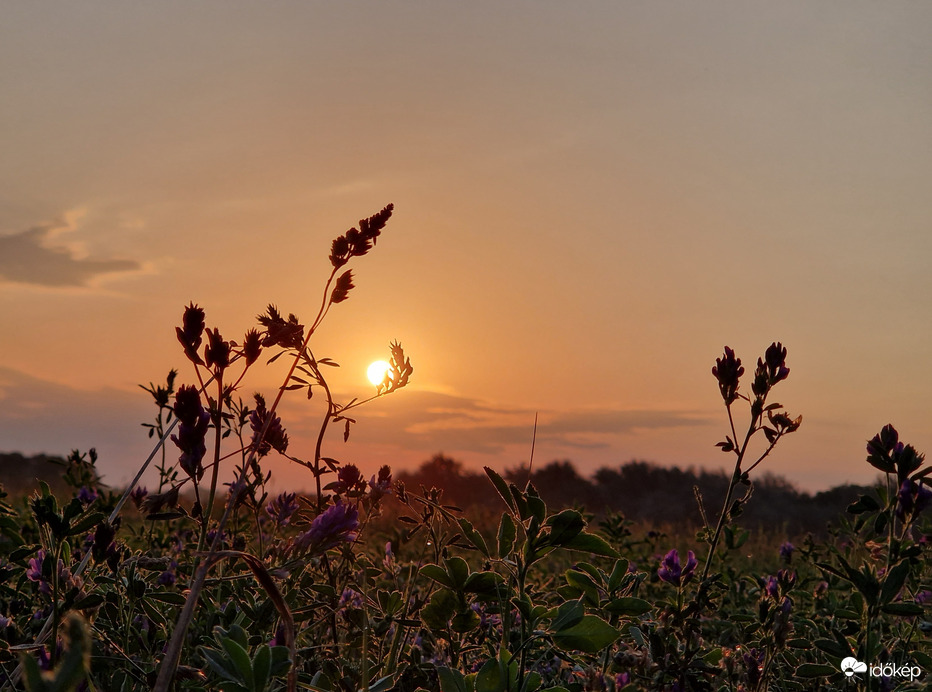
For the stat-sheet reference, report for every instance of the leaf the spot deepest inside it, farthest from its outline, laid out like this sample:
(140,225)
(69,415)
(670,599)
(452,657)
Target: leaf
(902,609)
(865,503)
(628,605)
(458,571)
(240,659)
(262,667)
(474,537)
(591,543)
(501,486)
(565,526)
(451,680)
(507,531)
(590,635)
(490,677)
(438,574)
(893,582)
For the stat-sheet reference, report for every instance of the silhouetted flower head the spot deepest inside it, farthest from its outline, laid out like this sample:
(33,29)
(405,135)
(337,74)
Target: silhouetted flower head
(381,485)
(886,453)
(275,436)
(189,334)
(104,545)
(252,346)
(193,422)
(217,352)
(342,288)
(87,495)
(357,242)
(671,572)
(337,524)
(281,332)
(727,370)
(349,481)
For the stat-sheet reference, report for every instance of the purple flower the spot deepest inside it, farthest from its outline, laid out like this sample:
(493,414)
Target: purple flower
(381,485)
(34,570)
(4,622)
(727,370)
(274,438)
(671,572)
(217,352)
(338,524)
(87,495)
(169,576)
(189,335)
(786,552)
(138,495)
(282,508)
(771,587)
(349,481)
(193,422)
(911,499)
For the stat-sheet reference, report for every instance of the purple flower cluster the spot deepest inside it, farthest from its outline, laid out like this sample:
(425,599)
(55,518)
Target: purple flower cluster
(337,524)
(671,572)
(193,422)
(274,438)
(282,508)
(727,370)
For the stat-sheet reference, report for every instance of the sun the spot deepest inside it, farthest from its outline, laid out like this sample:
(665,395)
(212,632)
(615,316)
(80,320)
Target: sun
(377,371)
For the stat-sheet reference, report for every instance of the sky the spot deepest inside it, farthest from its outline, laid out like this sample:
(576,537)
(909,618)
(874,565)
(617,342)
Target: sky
(591,200)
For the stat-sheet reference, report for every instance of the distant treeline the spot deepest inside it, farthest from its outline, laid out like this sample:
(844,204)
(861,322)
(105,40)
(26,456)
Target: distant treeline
(645,492)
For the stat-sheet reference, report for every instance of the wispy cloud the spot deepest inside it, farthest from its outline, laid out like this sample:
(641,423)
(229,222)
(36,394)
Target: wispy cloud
(36,256)
(431,421)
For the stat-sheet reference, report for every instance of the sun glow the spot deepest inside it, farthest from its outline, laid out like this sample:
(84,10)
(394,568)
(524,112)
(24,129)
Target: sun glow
(377,371)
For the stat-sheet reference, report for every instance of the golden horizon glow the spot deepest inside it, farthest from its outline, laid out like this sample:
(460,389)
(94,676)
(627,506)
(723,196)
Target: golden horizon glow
(377,371)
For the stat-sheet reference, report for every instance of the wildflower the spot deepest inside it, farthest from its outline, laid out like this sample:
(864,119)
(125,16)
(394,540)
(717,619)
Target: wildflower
(252,346)
(350,599)
(923,597)
(771,587)
(882,448)
(349,481)
(217,352)
(137,495)
(753,666)
(282,508)
(34,570)
(671,572)
(622,679)
(279,639)
(103,543)
(727,371)
(87,495)
(355,243)
(189,335)
(338,524)
(381,485)
(786,552)
(193,422)
(275,436)
(279,332)
(169,576)
(4,622)
(911,499)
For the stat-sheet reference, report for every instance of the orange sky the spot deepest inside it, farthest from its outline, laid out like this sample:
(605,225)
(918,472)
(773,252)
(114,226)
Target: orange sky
(591,200)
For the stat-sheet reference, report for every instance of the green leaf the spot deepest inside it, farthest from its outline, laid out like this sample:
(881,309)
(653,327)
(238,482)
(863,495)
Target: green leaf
(501,486)
(567,615)
(628,606)
(902,609)
(474,537)
(865,503)
(438,612)
(584,583)
(240,659)
(458,571)
(590,543)
(171,597)
(483,583)
(451,680)
(262,668)
(438,574)
(832,648)
(507,531)
(565,526)
(893,581)
(490,677)
(619,570)
(814,670)
(590,635)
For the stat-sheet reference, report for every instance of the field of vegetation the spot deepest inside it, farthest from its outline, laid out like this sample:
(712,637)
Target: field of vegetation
(379,584)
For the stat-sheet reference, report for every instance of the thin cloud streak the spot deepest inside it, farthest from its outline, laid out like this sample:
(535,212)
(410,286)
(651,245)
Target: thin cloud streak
(29,257)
